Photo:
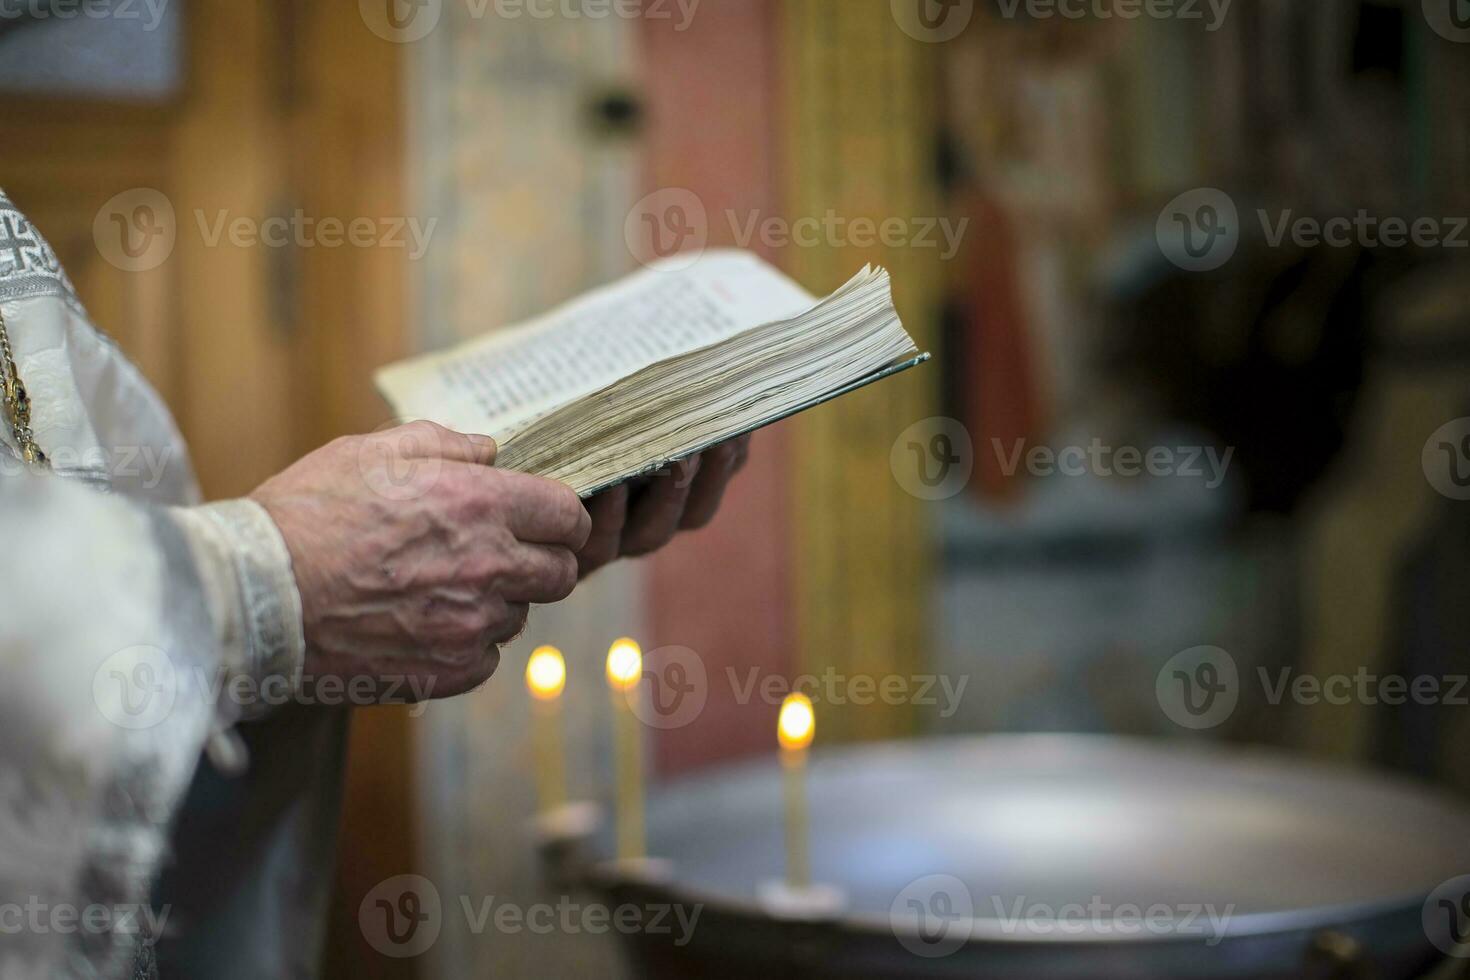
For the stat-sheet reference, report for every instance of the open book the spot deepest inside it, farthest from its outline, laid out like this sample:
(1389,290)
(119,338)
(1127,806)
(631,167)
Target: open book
(661,365)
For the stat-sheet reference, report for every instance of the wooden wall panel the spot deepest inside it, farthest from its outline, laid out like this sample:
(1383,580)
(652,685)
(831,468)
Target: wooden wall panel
(236,405)
(859,139)
(725,591)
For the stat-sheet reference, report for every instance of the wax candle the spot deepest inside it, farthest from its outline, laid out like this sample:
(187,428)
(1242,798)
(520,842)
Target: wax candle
(624,670)
(546,678)
(795,727)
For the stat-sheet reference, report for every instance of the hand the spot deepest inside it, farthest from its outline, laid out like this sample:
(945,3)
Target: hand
(635,520)
(415,558)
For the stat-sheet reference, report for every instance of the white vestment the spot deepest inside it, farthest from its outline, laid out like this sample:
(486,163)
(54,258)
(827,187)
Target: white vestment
(128,608)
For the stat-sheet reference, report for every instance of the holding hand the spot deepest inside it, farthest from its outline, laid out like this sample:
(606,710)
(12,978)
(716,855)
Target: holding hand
(631,520)
(415,557)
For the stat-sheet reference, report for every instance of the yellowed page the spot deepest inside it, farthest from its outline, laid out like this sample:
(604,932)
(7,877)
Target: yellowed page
(498,382)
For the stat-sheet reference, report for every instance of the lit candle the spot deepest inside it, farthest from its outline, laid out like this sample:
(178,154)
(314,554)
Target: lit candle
(795,727)
(624,670)
(546,677)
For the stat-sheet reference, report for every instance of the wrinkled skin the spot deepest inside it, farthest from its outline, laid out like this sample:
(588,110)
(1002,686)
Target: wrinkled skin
(416,558)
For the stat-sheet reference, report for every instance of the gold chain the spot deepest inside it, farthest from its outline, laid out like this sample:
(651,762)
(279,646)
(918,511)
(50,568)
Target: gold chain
(17,402)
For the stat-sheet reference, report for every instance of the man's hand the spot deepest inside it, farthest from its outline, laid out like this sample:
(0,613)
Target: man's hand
(415,558)
(629,521)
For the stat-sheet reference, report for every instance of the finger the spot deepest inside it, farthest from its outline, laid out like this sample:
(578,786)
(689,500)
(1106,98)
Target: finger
(654,517)
(545,511)
(609,511)
(715,470)
(544,574)
(742,452)
(427,440)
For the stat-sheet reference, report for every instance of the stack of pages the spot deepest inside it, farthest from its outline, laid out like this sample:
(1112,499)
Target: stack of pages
(670,361)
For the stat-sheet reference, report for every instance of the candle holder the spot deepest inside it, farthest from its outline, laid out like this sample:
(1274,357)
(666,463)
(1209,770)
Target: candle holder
(563,839)
(807,903)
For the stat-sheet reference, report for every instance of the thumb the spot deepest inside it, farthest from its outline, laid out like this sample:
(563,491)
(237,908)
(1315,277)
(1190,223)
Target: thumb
(428,440)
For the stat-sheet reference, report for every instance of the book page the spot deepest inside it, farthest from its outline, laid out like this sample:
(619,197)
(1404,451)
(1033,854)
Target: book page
(497,383)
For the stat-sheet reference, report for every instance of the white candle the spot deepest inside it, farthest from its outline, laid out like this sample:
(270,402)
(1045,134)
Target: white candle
(546,678)
(795,727)
(624,671)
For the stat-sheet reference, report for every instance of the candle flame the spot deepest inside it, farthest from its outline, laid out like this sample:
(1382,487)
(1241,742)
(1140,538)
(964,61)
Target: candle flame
(624,664)
(546,673)
(797,723)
